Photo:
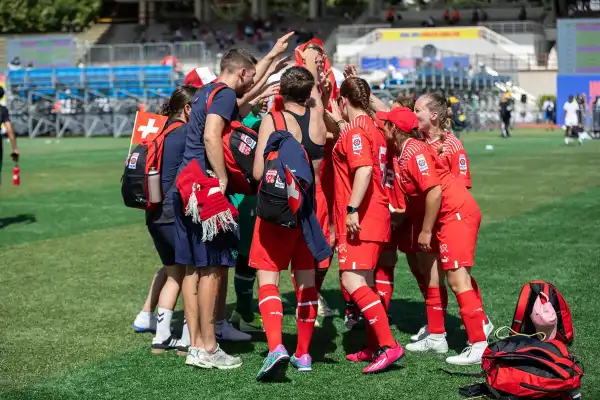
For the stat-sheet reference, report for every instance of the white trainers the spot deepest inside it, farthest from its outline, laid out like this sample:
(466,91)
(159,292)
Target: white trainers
(197,358)
(470,355)
(488,329)
(224,331)
(324,310)
(144,322)
(160,346)
(422,334)
(221,360)
(432,342)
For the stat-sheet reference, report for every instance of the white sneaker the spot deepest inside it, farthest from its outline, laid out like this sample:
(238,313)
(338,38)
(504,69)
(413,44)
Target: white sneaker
(324,310)
(422,334)
(144,323)
(160,346)
(470,355)
(435,343)
(198,358)
(488,329)
(224,331)
(221,360)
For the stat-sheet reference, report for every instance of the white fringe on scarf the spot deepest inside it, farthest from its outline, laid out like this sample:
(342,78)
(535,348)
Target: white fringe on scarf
(210,227)
(192,208)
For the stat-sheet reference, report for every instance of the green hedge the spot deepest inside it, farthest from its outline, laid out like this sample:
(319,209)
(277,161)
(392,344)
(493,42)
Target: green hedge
(29,16)
(543,98)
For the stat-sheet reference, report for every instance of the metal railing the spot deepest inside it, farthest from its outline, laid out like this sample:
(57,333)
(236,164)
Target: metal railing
(143,54)
(507,28)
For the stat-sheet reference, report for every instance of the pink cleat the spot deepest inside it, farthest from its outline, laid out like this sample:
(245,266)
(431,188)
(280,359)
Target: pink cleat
(365,354)
(385,357)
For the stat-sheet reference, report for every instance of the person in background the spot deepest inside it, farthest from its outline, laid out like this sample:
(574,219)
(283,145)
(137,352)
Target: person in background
(507,105)
(548,110)
(5,121)
(571,114)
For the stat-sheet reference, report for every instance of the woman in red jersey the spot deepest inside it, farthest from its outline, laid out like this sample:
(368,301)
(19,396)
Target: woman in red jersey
(362,217)
(449,225)
(434,124)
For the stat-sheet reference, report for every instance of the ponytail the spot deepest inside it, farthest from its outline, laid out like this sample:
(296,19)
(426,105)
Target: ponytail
(440,148)
(358,93)
(181,97)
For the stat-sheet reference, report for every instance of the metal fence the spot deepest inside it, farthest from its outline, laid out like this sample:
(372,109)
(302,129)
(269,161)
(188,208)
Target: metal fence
(143,53)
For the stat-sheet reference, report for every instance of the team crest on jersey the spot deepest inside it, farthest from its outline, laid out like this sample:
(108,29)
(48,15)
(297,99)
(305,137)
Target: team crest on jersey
(356,142)
(270,176)
(422,163)
(244,149)
(248,140)
(462,162)
(133,160)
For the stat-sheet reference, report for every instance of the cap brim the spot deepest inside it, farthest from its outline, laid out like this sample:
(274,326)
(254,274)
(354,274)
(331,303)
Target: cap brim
(383,115)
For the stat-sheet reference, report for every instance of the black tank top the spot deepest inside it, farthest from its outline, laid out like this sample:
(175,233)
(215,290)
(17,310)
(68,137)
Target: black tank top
(315,151)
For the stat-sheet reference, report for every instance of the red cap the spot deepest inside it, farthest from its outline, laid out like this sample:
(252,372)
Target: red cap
(199,77)
(404,118)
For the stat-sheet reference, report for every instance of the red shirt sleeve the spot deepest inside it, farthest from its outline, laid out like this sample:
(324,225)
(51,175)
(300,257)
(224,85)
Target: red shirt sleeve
(459,166)
(358,149)
(422,170)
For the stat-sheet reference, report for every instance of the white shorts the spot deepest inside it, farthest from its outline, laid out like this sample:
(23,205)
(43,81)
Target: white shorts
(571,122)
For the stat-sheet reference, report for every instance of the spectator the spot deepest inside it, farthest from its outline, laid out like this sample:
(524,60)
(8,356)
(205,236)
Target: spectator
(429,22)
(456,17)
(447,16)
(390,15)
(475,16)
(484,16)
(523,14)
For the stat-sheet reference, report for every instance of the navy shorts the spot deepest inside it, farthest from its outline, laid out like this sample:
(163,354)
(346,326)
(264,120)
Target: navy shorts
(191,250)
(163,236)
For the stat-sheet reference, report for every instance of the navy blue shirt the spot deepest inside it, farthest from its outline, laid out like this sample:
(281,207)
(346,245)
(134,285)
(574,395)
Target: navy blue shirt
(173,148)
(224,104)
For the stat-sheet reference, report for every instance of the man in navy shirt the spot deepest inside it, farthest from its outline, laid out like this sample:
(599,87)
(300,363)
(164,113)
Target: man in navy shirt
(204,143)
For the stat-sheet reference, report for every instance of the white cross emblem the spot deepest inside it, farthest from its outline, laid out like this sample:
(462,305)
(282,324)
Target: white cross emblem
(292,191)
(148,129)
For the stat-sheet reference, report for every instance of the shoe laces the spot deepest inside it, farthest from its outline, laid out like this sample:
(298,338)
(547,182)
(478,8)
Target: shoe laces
(380,351)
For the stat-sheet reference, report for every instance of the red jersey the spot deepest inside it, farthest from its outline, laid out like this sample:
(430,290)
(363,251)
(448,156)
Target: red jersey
(392,182)
(420,169)
(361,144)
(454,157)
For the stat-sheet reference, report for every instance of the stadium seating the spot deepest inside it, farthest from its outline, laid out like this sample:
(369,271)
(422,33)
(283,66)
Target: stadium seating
(121,77)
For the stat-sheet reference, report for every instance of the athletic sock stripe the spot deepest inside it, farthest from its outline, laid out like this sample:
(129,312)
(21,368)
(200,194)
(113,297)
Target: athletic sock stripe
(269,298)
(385,282)
(244,278)
(308,303)
(371,305)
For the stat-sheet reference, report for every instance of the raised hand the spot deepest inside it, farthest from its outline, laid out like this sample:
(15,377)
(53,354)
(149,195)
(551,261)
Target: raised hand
(350,70)
(279,65)
(270,90)
(282,44)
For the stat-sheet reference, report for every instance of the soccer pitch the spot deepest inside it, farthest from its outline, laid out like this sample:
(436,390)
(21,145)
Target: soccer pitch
(76,265)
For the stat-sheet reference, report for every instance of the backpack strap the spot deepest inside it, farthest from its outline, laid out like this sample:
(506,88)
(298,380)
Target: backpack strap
(279,122)
(172,127)
(238,126)
(214,90)
(521,307)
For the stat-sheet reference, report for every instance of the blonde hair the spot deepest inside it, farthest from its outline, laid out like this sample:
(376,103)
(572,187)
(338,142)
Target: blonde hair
(437,103)
(405,101)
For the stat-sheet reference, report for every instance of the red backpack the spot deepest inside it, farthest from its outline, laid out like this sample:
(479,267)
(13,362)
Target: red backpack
(239,147)
(525,367)
(144,161)
(522,319)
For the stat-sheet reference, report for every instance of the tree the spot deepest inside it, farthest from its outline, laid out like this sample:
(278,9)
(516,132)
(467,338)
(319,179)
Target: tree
(28,16)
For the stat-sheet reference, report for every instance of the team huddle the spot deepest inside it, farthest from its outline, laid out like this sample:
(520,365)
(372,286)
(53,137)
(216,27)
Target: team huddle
(265,177)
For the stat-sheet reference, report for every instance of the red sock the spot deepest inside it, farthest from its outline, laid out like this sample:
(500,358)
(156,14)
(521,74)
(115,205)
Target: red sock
(271,311)
(305,321)
(371,337)
(350,307)
(444,297)
(384,284)
(320,275)
(478,292)
(435,311)
(370,305)
(472,315)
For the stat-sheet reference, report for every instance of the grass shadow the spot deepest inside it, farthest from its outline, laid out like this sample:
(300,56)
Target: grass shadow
(18,219)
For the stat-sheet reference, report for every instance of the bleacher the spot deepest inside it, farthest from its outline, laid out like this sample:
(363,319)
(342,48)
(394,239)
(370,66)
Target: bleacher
(88,101)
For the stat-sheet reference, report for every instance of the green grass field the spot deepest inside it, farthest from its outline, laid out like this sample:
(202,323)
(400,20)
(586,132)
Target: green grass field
(76,264)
